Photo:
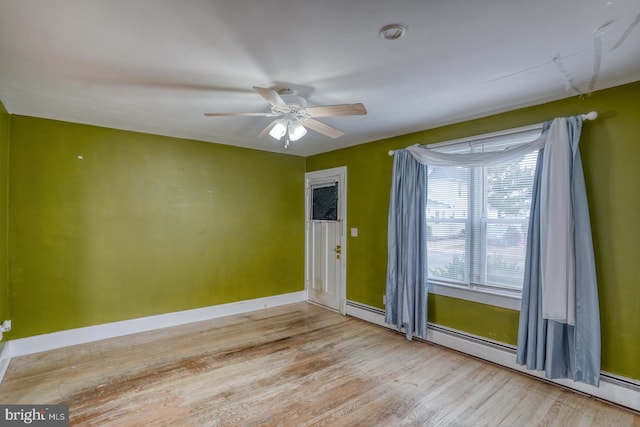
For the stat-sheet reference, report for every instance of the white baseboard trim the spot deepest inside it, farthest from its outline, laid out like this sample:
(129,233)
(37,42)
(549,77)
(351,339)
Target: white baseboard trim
(619,390)
(4,360)
(54,340)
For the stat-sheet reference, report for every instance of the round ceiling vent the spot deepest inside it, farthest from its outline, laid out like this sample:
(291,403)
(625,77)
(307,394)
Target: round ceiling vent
(392,31)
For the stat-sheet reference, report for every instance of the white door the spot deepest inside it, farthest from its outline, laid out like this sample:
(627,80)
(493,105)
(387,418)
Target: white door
(325,243)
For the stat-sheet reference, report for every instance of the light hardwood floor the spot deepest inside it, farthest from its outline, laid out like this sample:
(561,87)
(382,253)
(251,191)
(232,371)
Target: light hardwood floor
(296,365)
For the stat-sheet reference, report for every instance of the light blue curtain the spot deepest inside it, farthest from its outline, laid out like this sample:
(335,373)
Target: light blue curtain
(406,291)
(567,347)
(560,349)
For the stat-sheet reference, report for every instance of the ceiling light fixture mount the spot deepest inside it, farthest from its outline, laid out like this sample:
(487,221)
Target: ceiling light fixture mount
(393,31)
(290,96)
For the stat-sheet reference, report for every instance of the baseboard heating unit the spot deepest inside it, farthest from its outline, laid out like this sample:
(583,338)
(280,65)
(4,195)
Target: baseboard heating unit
(613,388)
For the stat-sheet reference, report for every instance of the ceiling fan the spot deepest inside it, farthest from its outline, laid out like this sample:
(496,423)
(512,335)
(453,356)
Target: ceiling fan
(292,116)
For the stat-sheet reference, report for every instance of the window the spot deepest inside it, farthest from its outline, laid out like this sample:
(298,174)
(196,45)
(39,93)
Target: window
(477,218)
(325,203)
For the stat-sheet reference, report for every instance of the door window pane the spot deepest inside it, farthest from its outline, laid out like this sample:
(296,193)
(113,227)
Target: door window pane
(325,203)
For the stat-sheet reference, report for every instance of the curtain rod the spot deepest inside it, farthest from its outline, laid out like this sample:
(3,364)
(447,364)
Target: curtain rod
(591,115)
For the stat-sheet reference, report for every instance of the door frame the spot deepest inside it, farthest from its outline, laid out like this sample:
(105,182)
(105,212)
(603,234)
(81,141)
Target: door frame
(338,174)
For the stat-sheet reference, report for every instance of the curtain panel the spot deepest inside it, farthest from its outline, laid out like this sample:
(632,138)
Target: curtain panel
(406,290)
(562,338)
(559,327)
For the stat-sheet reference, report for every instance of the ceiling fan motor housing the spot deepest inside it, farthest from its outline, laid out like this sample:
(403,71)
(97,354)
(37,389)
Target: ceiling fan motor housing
(291,97)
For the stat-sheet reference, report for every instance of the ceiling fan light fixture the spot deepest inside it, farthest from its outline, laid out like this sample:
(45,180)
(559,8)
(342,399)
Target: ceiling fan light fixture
(296,131)
(278,130)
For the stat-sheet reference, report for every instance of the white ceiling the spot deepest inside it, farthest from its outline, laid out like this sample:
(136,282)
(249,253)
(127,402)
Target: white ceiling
(156,66)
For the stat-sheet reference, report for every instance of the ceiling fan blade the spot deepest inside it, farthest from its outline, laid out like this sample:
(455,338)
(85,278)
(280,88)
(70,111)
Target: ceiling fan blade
(236,114)
(271,96)
(266,130)
(324,129)
(337,110)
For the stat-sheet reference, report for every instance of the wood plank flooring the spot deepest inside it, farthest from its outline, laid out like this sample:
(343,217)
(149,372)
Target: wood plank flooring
(297,365)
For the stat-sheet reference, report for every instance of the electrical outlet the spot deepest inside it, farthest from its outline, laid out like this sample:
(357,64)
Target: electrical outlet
(384,299)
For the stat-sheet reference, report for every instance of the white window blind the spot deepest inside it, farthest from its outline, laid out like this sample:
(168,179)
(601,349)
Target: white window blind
(477,218)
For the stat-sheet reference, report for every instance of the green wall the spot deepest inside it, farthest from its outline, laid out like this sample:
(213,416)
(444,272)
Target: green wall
(144,224)
(4,178)
(611,154)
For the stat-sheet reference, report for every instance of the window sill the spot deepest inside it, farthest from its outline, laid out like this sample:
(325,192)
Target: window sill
(481,296)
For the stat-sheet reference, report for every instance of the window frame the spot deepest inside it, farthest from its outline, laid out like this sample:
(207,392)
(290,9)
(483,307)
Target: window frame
(510,299)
